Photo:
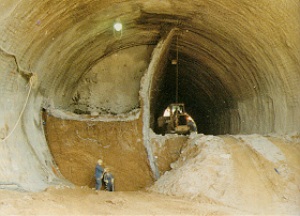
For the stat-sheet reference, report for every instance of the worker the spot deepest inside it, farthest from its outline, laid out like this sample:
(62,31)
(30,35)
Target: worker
(99,170)
(192,125)
(108,180)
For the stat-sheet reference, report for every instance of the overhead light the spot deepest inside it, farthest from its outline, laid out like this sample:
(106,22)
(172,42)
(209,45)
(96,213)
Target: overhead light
(118,26)
(118,29)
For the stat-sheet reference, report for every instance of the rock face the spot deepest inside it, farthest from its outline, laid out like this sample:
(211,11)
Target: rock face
(238,63)
(77,145)
(112,85)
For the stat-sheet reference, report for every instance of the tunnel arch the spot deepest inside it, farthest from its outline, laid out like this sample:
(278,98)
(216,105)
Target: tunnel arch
(205,85)
(257,44)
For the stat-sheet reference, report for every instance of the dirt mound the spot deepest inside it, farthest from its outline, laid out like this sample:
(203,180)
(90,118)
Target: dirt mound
(251,173)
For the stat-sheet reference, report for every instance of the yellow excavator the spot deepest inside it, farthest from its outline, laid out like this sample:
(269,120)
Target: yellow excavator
(176,120)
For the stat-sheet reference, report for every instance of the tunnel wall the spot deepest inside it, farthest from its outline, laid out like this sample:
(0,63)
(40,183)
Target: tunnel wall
(25,162)
(148,93)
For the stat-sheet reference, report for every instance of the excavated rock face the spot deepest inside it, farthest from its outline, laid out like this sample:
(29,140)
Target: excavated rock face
(238,68)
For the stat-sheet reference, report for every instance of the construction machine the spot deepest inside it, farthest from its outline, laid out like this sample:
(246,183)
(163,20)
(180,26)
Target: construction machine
(176,120)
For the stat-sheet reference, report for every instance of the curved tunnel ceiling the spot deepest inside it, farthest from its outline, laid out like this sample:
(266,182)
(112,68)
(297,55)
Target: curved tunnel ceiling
(238,61)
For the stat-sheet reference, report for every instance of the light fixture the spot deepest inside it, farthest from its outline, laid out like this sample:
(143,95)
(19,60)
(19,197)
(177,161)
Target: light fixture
(118,26)
(118,29)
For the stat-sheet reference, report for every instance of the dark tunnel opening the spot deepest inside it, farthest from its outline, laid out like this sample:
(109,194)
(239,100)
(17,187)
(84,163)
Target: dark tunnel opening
(205,97)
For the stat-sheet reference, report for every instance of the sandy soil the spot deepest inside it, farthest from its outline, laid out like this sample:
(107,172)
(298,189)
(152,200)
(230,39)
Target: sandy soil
(252,173)
(85,201)
(76,147)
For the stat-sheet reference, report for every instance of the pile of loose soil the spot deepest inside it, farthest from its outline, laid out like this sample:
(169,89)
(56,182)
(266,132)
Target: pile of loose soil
(251,173)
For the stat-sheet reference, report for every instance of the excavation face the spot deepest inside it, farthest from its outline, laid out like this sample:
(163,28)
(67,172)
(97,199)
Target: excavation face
(238,73)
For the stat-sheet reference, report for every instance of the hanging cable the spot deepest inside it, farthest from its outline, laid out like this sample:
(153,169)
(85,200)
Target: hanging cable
(177,71)
(31,81)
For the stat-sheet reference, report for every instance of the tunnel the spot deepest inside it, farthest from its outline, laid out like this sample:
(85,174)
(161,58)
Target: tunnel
(205,96)
(238,73)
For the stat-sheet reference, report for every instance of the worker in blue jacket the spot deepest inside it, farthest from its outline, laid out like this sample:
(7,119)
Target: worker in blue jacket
(99,170)
(109,180)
